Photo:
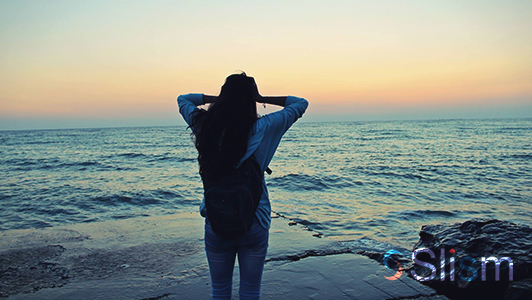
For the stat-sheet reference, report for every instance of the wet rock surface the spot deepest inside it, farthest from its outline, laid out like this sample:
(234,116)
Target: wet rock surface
(30,269)
(468,243)
(164,258)
(36,260)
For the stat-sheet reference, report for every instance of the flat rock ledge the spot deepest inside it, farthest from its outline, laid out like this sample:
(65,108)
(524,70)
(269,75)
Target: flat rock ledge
(163,258)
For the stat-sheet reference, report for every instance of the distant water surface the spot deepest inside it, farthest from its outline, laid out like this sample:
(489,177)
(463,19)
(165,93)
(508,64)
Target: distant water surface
(373,183)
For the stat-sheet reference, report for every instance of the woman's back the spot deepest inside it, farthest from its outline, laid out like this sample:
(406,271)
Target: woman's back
(227,134)
(264,138)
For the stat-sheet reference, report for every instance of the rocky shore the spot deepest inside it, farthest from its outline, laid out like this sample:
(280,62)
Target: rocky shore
(156,258)
(163,258)
(462,247)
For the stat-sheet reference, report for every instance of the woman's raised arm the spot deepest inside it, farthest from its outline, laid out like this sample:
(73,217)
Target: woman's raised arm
(209,99)
(275,100)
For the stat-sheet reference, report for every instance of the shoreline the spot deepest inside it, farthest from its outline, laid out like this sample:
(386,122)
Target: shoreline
(163,258)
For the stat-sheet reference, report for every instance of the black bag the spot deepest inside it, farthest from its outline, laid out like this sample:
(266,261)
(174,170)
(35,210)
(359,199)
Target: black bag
(231,202)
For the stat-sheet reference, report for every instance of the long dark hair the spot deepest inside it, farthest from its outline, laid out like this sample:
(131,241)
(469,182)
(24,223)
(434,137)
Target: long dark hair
(221,133)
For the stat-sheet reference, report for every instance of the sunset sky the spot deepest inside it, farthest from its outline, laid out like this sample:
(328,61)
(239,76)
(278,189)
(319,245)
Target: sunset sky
(70,64)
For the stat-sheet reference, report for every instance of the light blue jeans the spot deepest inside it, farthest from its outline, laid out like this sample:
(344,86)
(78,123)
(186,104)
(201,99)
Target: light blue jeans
(221,253)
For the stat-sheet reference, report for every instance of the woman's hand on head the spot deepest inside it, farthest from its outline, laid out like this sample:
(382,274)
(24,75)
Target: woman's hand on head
(255,91)
(276,100)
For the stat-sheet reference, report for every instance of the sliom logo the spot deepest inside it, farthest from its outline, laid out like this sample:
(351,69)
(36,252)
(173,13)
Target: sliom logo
(467,266)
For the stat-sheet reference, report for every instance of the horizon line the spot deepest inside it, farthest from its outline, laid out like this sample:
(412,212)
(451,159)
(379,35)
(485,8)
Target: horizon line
(299,121)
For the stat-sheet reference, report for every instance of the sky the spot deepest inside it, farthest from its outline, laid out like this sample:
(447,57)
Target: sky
(74,64)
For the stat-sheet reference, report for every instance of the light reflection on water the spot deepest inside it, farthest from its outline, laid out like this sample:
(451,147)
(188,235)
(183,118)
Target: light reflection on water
(379,180)
(384,180)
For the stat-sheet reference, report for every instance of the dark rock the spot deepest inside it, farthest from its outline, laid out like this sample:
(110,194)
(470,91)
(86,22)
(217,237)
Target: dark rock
(468,243)
(309,253)
(519,290)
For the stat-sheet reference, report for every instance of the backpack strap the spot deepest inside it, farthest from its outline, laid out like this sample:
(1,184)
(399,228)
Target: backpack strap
(268,170)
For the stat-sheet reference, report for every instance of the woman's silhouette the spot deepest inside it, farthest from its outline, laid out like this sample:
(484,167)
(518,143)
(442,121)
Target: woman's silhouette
(226,134)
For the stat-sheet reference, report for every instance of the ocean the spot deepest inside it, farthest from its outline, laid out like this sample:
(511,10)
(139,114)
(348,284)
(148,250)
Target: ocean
(371,185)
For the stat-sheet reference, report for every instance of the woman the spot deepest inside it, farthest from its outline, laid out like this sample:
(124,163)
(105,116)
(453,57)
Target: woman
(227,134)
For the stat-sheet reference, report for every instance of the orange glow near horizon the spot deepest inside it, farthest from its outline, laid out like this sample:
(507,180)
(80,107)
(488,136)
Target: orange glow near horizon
(100,60)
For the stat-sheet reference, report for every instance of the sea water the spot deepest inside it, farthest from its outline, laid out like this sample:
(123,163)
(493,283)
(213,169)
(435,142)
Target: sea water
(371,183)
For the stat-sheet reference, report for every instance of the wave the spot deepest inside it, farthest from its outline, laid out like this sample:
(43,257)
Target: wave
(514,128)
(120,199)
(130,155)
(56,164)
(423,214)
(401,175)
(128,216)
(158,197)
(521,156)
(153,157)
(306,182)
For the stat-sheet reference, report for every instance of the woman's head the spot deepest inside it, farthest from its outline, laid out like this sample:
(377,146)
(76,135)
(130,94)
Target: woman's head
(239,84)
(238,94)
(222,131)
